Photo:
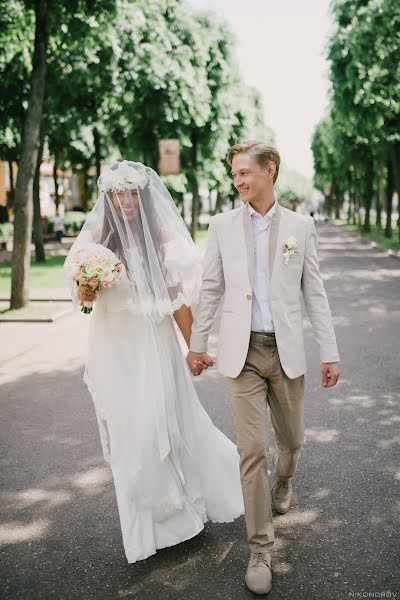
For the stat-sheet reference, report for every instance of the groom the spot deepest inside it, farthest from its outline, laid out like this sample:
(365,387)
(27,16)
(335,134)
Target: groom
(261,257)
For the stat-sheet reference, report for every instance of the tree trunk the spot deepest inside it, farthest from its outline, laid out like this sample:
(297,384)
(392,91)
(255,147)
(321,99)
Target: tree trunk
(346,196)
(37,214)
(85,194)
(150,153)
(26,172)
(97,151)
(349,206)
(395,158)
(335,199)
(389,199)
(380,193)
(353,200)
(357,203)
(180,204)
(351,213)
(218,204)
(338,204)
(356,218)
(55,179)
(330,200)
(10,203)
(194,186)
(368,191)
(367,221)
(199,213)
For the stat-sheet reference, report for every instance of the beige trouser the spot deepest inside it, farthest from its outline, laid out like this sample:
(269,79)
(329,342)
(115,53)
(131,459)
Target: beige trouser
(263,382)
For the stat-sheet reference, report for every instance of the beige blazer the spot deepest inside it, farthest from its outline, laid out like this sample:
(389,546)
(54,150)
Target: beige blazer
(228,271)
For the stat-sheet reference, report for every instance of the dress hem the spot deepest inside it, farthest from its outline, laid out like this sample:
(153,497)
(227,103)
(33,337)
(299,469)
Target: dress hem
(190,537)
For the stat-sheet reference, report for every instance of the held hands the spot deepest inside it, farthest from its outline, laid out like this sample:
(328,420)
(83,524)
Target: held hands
(330,374)
(198,361)
(85,293)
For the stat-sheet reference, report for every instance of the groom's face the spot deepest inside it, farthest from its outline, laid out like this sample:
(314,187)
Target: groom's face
(249,178)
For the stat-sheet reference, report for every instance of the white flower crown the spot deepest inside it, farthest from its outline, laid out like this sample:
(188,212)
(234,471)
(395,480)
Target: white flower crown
(124,175)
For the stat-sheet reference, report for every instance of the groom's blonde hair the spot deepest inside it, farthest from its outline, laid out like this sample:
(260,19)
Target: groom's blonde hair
(260,151)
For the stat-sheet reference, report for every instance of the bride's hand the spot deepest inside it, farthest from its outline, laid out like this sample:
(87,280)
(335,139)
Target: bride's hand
(198,361)
(85,293)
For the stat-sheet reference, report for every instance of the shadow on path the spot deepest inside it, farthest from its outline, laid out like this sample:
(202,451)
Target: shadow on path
(60,535)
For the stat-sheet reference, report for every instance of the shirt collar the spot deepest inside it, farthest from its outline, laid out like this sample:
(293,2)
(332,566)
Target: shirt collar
(260,218)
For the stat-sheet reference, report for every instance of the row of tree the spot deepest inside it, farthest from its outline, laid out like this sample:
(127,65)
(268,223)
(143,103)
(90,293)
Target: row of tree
(356,146)
(85,80)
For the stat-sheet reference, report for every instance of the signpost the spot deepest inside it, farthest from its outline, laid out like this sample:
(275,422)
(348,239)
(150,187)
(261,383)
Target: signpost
(169,163)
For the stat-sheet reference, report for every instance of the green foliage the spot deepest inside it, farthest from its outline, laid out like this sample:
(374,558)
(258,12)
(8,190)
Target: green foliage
(123,74)
(292,187)
(73,222)
(16,41)
(358,141)
(6,229)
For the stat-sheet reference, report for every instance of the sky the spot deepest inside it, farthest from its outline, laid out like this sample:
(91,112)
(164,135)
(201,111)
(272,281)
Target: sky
(280,49)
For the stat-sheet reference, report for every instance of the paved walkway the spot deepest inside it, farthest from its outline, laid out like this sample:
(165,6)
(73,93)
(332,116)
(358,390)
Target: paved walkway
(60,535)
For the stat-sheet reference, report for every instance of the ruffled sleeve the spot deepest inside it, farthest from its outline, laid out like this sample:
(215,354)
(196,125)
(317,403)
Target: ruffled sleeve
(181,261)
(182,266)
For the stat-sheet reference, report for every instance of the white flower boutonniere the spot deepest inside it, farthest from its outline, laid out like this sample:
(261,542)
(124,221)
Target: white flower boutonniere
(289,247)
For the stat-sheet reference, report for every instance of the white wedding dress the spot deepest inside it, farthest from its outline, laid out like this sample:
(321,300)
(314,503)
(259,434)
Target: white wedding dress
(173,469)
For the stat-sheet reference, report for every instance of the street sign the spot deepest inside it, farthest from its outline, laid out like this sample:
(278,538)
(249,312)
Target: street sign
(169,163)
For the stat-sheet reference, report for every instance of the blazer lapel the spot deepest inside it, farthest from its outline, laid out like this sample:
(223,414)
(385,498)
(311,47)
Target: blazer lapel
(248,234)
(273,238)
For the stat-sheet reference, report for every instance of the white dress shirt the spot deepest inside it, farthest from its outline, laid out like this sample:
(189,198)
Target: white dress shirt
(261,315)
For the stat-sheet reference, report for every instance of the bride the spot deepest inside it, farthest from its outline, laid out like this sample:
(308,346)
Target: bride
(172,468)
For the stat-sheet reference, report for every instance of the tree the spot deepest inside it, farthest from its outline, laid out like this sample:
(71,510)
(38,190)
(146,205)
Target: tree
(46,24)
(365,100)
(17,31)
(29,155)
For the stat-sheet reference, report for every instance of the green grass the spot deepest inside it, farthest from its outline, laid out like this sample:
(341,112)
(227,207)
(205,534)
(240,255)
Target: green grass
(201,239)
(43,275)
(376,235)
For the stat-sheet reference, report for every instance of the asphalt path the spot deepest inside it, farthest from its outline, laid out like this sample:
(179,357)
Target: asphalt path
(60,536)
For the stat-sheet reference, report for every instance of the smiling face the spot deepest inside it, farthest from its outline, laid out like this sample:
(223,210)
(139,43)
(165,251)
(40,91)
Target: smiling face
(126,202)
(249,178)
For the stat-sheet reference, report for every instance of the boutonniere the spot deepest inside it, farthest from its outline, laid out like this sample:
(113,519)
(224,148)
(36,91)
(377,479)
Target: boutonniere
(289,247)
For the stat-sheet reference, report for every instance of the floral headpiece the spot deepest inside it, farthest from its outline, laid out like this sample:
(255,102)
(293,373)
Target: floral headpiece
(123,175)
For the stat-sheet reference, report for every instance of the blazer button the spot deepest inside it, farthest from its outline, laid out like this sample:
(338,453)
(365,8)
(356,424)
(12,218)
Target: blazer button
(248,296)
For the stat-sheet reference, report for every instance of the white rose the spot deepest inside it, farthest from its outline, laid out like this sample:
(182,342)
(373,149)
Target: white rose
(291,243)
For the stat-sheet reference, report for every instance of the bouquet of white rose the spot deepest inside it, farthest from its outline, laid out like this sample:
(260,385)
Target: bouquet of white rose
(93,265)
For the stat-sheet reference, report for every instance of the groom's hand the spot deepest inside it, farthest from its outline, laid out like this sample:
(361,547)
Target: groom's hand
(330,374)
(198,361)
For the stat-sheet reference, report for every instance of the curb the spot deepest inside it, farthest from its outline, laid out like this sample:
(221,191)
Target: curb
(27,319)
(6,298)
